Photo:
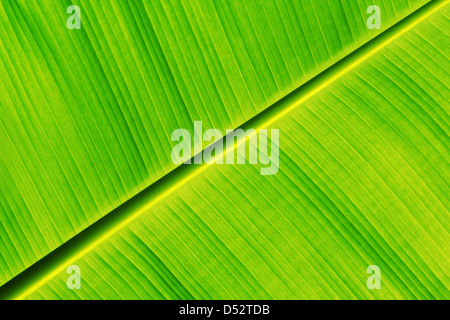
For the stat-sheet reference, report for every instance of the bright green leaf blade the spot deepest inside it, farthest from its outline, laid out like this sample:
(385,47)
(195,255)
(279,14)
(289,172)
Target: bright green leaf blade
(87,114)
(363,181)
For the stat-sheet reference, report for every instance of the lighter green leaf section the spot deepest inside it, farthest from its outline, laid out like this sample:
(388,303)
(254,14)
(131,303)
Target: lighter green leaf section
(363,180)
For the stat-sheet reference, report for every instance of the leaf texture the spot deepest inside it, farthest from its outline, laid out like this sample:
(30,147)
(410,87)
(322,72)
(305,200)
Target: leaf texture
(87,115)
(363,181)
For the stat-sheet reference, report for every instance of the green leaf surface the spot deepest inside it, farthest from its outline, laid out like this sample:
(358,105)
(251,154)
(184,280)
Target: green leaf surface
(87,114)
(363,176)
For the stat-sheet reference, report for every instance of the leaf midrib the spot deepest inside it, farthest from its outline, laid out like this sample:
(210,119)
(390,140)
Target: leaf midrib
(46,268)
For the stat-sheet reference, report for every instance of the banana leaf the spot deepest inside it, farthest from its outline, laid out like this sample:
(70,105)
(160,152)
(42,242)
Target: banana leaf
(88,178)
